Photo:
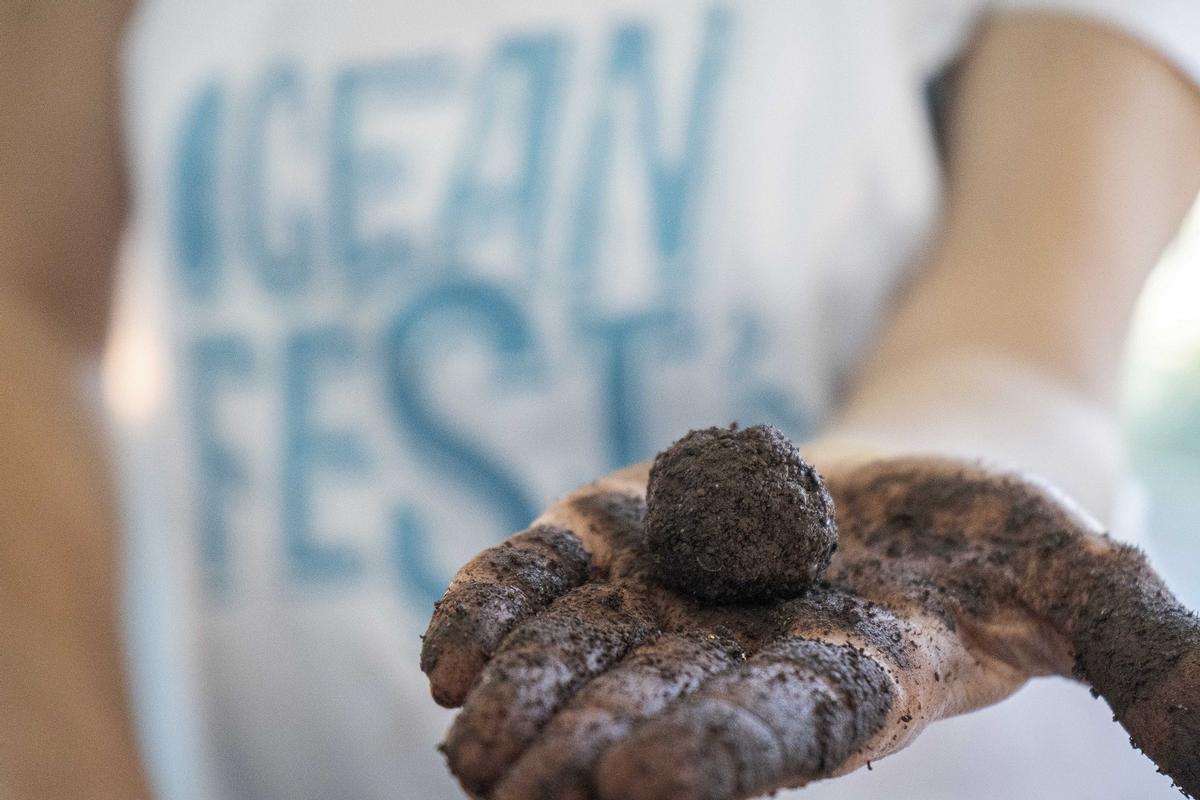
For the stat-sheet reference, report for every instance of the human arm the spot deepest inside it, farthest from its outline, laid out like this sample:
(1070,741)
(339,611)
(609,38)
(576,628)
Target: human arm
(65,725)
(1074,153)
(1073,156)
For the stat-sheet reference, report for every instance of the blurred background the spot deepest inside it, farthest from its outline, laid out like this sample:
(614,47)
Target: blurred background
(1162,401)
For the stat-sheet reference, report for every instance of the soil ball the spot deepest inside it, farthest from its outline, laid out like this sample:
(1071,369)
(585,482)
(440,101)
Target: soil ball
(737,515)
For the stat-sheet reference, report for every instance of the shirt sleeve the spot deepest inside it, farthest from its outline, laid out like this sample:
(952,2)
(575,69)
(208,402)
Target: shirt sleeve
(1171,27)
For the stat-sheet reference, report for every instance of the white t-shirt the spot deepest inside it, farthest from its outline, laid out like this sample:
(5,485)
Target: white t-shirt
(400,272)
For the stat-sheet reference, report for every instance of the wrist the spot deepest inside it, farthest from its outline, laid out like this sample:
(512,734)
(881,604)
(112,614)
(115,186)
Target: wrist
(977,405)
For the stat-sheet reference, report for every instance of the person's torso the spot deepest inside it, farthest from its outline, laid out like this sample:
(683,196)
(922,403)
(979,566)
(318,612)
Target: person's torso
(427,265)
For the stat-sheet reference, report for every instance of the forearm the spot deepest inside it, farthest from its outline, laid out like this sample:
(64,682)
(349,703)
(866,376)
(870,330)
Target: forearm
(1074,154)
(65,728)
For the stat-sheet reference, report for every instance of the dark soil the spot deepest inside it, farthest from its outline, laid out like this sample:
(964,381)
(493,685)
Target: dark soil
(737,515)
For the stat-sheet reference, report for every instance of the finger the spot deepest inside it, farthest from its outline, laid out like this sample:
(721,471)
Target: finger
(793,713)
(537,668)
(1129,637)
(558,765)
(489,596)
(1138,647)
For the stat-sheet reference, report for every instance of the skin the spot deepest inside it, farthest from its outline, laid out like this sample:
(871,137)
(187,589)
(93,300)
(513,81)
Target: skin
(1075,153)
(953,584)
(65,730)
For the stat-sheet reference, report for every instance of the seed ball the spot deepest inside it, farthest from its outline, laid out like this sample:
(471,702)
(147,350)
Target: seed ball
(737,515)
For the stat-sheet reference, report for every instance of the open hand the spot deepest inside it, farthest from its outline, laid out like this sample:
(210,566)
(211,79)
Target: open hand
(581,677)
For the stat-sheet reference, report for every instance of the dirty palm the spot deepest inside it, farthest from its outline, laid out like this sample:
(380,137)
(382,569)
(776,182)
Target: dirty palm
(588,666)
